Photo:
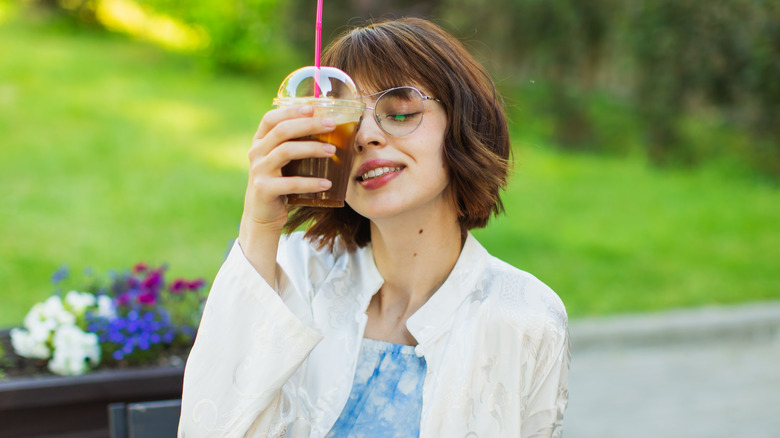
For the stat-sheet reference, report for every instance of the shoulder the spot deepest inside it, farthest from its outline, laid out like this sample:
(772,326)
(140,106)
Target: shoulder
(521,301)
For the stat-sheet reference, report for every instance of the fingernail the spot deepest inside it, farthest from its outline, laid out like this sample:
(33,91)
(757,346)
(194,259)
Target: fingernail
(328,122)
(325,184)
(329,148)
(306,109)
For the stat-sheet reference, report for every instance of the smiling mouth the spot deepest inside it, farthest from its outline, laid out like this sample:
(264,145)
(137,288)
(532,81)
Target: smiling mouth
(376,173)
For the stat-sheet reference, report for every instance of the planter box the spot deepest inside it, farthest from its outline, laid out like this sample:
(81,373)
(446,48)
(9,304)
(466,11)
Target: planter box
(77,407)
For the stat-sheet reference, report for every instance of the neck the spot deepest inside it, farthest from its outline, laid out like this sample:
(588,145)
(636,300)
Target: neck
(415,256)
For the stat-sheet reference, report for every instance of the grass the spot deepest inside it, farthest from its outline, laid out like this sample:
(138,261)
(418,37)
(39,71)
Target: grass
(613,235)
(115,152)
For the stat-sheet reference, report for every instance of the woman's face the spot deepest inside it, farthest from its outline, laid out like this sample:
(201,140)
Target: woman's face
(398,175)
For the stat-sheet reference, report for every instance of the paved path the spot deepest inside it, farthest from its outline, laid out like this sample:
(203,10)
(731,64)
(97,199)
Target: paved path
(706,373)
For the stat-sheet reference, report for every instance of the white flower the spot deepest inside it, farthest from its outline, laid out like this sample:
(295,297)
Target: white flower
(36,322)
(53,309)
(35,318)
(106,307)
(72,349)
(79,301)
(40,322)
(28,344)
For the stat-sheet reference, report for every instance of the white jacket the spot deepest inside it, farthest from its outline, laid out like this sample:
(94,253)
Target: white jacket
(268,363)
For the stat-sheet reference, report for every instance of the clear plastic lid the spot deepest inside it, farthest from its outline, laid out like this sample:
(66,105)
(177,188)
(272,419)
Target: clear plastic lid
(334,85)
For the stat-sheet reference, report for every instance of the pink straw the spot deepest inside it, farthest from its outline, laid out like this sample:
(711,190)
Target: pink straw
(317,48)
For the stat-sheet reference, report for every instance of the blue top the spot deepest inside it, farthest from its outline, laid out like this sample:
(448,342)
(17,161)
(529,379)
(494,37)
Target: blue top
(386,396)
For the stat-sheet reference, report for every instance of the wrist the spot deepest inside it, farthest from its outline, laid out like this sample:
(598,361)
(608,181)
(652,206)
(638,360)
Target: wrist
(259,243)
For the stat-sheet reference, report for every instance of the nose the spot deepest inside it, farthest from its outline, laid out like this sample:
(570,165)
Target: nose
(369,133)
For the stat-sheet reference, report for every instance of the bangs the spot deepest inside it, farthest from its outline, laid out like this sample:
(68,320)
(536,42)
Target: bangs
(378,60)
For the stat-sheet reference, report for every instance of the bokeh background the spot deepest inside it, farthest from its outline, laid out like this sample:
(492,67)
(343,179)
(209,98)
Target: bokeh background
(646,137)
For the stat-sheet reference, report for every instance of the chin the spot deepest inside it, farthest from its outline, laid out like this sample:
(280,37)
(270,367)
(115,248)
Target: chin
(377,207)
(376,211)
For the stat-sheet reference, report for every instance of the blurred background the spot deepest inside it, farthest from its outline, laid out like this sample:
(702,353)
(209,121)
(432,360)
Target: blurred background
(646,137)
(646,178)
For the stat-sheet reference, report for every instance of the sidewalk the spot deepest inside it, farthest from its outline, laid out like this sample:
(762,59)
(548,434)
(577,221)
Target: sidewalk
(708,373)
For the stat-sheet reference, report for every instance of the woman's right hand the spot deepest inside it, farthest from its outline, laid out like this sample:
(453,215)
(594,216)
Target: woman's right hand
(274,145)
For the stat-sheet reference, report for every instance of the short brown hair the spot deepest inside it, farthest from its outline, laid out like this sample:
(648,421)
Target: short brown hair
(407,51)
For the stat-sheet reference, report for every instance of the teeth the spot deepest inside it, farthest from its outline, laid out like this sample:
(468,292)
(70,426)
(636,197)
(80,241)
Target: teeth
(375,173)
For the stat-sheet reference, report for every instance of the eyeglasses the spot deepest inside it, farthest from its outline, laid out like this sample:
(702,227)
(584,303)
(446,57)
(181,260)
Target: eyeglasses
(399,111)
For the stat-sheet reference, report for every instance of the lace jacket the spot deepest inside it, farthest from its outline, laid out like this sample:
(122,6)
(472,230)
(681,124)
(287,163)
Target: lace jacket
(280,361)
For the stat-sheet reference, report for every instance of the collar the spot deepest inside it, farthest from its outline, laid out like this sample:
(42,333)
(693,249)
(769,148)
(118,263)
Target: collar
(434,318)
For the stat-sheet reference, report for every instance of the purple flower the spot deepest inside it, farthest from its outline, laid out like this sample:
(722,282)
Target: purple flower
(60,274)
(124,299)
(153,280)
(140,325)
(179,286)
(147,298)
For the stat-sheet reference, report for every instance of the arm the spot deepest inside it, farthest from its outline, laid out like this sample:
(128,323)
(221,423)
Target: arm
(274,146)
(248,345)
(249,342)
(543,416)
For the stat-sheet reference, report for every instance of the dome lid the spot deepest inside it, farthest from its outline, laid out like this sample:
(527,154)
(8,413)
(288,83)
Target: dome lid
(332,83)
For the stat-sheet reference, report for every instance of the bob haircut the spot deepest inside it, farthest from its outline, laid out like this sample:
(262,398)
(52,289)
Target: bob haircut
(414,51)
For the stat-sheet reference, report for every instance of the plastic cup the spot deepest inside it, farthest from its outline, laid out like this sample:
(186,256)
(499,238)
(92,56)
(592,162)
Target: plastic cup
(338,100)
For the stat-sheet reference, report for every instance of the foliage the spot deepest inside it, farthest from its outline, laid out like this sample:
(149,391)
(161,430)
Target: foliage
(128,318)
(723,54)
(670,59)
(245,35)
(2,362)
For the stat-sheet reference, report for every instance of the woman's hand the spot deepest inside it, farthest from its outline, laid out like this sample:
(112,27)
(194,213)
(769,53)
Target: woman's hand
(274,145)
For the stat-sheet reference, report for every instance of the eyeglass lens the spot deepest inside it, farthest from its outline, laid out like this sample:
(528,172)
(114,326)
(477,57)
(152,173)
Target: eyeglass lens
(400,111)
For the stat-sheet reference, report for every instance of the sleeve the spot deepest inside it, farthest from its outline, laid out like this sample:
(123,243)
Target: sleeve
(543,415)
(249,343)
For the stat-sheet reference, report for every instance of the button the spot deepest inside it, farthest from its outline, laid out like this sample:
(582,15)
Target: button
(418,350)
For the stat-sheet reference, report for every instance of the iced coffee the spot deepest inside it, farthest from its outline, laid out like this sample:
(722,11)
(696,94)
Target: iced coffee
(336,98)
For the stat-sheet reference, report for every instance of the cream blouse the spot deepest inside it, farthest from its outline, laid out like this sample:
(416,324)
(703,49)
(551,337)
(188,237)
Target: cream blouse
(280,361)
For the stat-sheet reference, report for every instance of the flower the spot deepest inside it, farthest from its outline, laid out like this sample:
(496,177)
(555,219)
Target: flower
(80,301)
(39,324)
(38,339)
(60,274)
(51,311)
(134,332)
(106,307)
(30,344)
(129,319)
(72,349)
(178,286)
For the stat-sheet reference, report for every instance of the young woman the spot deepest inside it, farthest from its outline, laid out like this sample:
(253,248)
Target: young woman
(386,318)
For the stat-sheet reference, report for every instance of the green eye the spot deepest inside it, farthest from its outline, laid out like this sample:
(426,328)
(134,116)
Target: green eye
(401,118)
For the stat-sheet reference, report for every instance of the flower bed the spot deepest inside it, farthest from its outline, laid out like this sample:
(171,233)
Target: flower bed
(122,319)
(40,404)
(122,337)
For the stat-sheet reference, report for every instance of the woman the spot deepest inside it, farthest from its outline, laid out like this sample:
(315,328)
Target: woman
(387,318)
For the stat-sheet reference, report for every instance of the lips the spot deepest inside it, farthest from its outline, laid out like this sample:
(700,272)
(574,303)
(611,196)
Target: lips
(376,173)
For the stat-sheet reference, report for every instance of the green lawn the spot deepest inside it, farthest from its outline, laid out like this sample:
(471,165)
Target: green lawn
(115,152)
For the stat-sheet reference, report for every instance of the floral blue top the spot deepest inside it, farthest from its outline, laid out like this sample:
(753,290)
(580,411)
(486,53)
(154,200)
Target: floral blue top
(386,396)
